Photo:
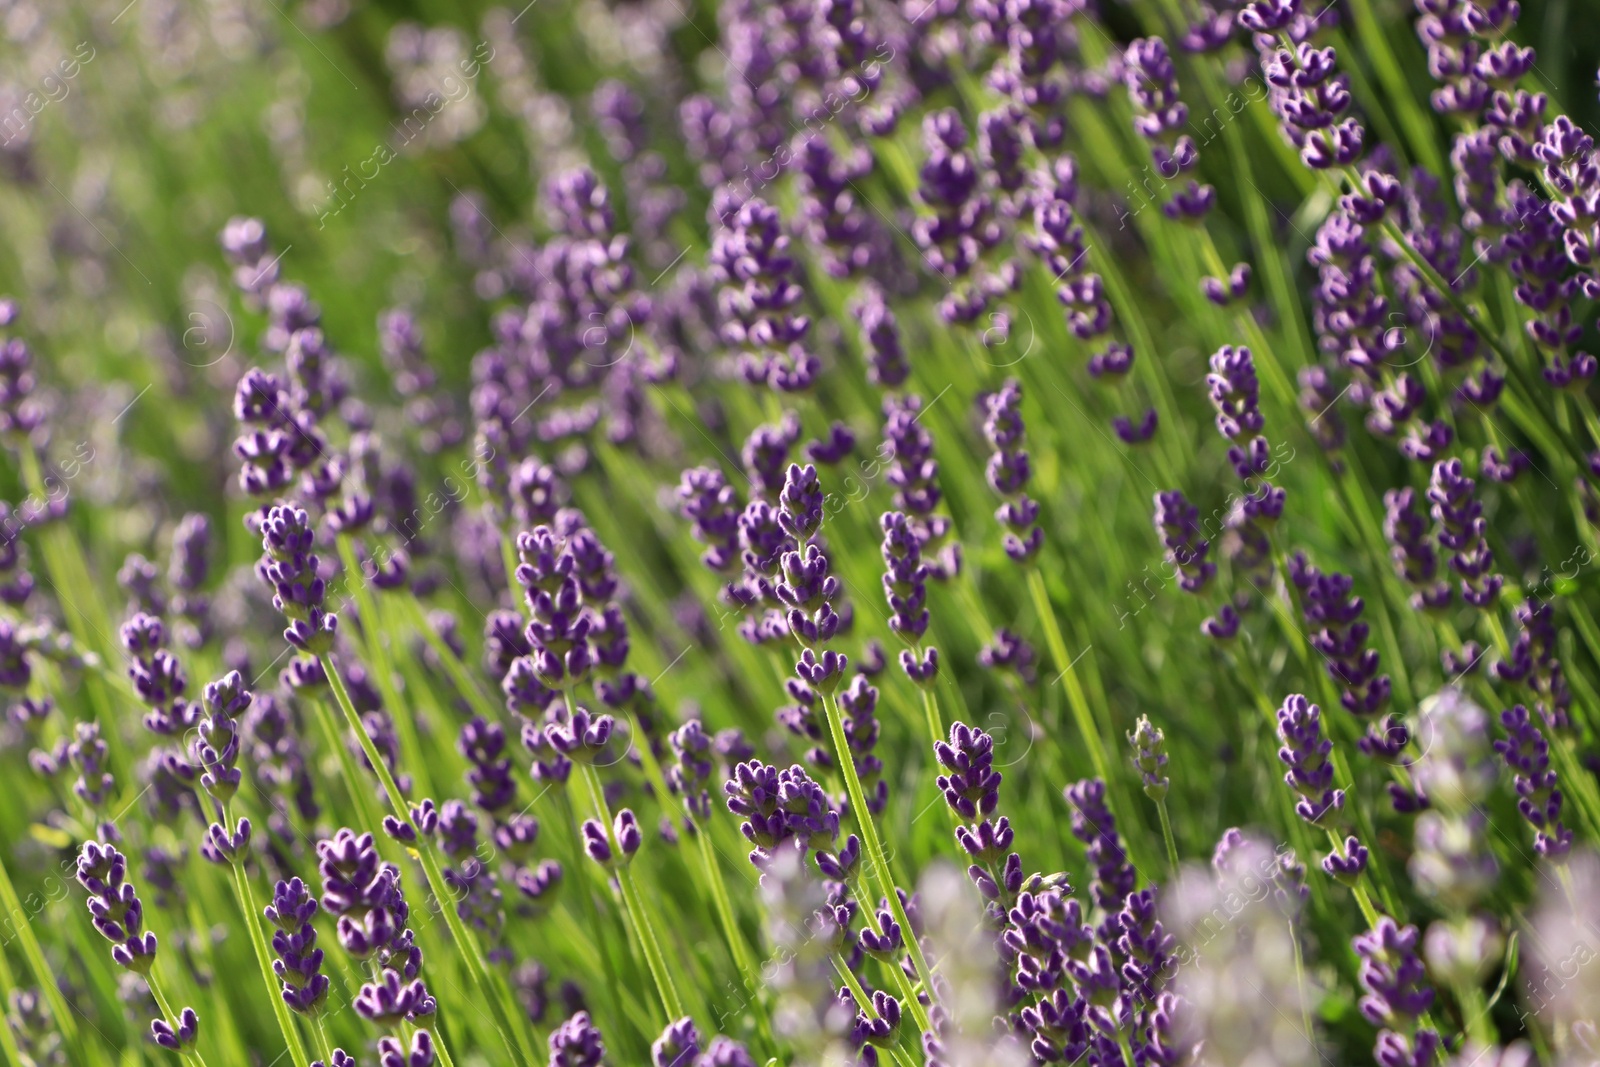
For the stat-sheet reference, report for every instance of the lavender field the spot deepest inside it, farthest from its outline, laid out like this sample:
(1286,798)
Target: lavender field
(749,533)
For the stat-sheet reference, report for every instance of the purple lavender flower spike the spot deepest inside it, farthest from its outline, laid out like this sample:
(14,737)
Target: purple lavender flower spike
(690,775)
(1539,799)
(16,584)
(1159,116)
(625,828)
(21,413)
(858,704)
(914,475)
(760,294)
(391,1000)
(1533,663)
(905,577)
(1177,522)
(800,510)
(140,579)
(483,744)
(1143,944)
(1096,827)
(88,753)
(1305,752)
(1113,362)
(576,1043)
(1461,530)
(1567,155)
(362,894)
(114,906)
(553,574)
(1237,395)
(678,1045)
(393,1053)
(765,454)
(1411,548)
(536,493)
(1135,433)
(880,338)
(970,784)
(1346,863)
(582,737)
(1340,637)
(158,677)
(216,746)
(176,1038)
(1009,652)
(1308,97)
(836,221)
(1392,975)
(299,962)
(1058,240)
(779,808)
(549,763)
(1009,470)
(291,569)
(1150,757)
(959,225)
(596,844)
(187,572)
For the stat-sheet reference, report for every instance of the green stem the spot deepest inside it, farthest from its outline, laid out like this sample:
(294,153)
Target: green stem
(471,952)
(654,958)
(8,1039)
(1064,662)
(439,1047)
(31,950)
(930,710)
(1475,1013)
(382,668)
(355,782)
(69,577)
(1419,128)
(580,869)
(189,1055)
(1300,979)
(460,676)
(252,919)
(730,927)
(324,1047)
(876,858)
(1166,834)
(861,998)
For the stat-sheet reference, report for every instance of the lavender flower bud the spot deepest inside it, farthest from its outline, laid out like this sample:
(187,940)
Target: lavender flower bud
(1149,758)
(291,569)
(1305,752)
(179,1037)
(576,1043)
(299,962)
(114,906)
(1539,798)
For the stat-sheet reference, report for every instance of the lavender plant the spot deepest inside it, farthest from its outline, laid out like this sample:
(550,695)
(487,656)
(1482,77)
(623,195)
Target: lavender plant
(660,493)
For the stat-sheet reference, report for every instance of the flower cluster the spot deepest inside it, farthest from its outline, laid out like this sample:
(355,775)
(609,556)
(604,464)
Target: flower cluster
(1009,470)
